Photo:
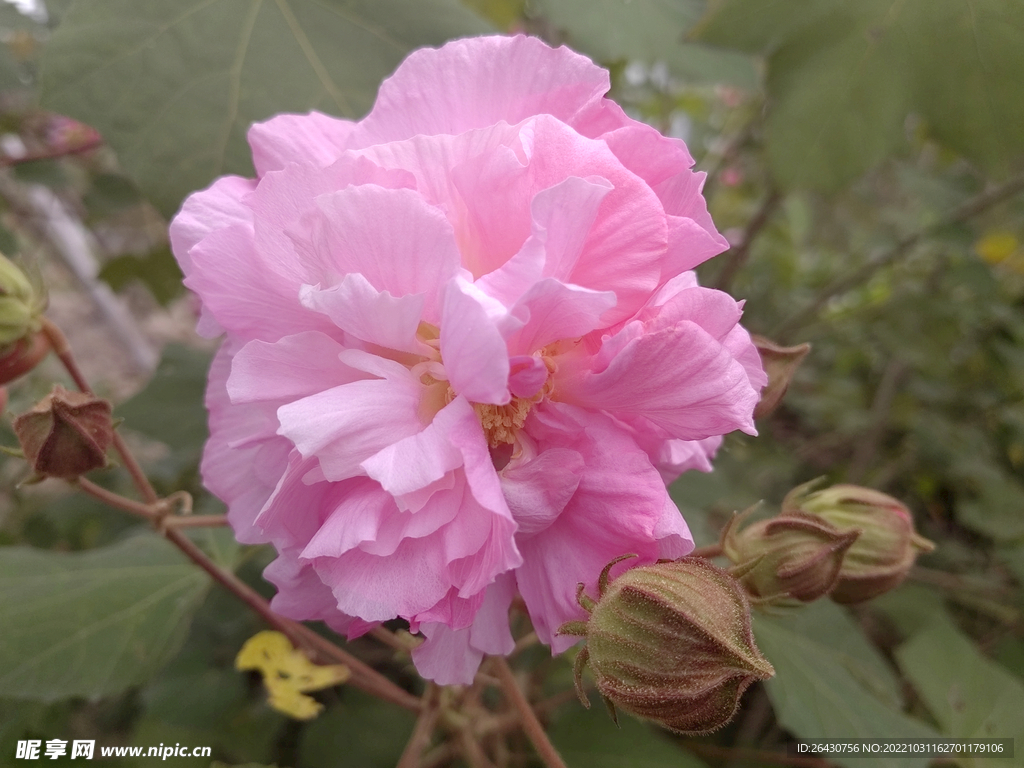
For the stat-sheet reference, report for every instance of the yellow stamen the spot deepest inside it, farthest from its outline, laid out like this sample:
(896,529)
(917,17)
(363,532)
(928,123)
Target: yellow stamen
(502,422)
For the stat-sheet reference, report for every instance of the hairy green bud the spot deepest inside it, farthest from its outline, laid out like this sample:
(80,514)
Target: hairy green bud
(671,642)
(886,548)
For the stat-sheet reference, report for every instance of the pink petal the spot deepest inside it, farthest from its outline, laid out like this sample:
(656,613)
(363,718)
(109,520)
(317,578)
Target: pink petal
(474,352)
(478,82)
(359,309)
(680,378)
(249,296)
(242,477)
(620,507)
(218,206)
(452,657)
(423,458)
(393,237)
(557,311)
(537,490)
(344,426)
(356,518)
(290,368)
(527,375)
(313,138)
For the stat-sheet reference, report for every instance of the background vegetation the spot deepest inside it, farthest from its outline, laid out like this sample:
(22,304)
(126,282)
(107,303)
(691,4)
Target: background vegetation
(865,160)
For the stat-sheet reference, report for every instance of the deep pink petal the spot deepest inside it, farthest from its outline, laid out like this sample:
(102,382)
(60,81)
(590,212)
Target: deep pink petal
(680,378)
(313,138)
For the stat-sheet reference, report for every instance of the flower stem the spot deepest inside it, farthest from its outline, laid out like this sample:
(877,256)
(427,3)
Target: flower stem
(424,729)
(708,552)
(531,725)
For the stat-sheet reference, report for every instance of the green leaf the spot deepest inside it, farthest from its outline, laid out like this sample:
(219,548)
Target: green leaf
(170,408)
(816,695)
(829,626)
(844,74)
(647,30)
(360,732)
(587,738)
(970,696)
(92,623)
(174,85)
(157,270)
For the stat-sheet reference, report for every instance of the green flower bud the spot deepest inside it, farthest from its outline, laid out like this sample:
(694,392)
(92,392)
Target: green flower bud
(790,556)
(887,547)
(20,304)
(671,642)
(66,434)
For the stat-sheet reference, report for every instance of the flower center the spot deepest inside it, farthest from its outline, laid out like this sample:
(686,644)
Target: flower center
(502,422)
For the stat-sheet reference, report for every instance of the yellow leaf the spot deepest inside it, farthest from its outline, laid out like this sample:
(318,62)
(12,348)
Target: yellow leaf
(288,674)
(997,246)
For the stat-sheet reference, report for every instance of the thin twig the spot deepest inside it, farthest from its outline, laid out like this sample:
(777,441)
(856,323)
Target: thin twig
(736,258)
(973,207)
(116,500)
(531,725)
(423,730)
(195,521)
(472,750)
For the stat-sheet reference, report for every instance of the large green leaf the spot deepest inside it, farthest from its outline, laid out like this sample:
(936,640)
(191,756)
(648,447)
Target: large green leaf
(817,694)
(844,74)
(170,408)
(92,623)
(647,30)
(173,85)
(588,739)
(971,696)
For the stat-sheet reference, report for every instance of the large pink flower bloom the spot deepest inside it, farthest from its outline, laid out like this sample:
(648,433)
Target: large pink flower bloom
(464,350)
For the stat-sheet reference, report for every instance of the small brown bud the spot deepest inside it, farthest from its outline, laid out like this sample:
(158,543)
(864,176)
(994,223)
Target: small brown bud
(66,434)
(887,547)
(780,363)
(792,555)
(671,642)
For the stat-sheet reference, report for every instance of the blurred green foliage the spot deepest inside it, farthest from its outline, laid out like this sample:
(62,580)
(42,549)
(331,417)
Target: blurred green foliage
(842,138)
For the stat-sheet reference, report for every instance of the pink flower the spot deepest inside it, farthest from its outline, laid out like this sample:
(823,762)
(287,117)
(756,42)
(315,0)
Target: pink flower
(463,348)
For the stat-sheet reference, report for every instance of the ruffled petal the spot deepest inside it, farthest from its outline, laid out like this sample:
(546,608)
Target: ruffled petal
(474,352)
(478,82)
(313,138)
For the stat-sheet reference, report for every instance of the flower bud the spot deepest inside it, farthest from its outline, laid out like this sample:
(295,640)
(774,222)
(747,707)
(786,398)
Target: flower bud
(20,305)
(780,363)
(66,434)
(671,642)
(789,556)
(21,356)
(884,552)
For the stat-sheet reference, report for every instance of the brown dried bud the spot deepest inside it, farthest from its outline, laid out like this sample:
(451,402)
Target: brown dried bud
(780,363)
(671,642)
(66,434)
(887,547)
(792,555)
